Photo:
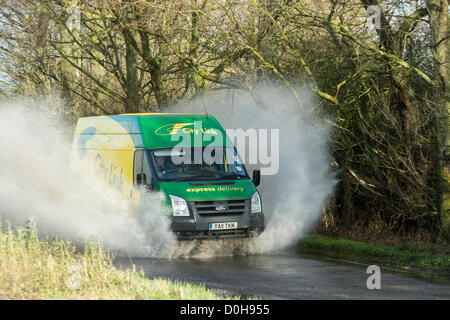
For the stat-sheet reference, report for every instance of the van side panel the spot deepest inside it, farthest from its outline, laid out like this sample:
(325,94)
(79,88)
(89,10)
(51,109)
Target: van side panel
(106,147)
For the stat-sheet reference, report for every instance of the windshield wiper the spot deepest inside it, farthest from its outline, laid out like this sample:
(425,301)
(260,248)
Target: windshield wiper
(207,178)
(194,178)
(231,177)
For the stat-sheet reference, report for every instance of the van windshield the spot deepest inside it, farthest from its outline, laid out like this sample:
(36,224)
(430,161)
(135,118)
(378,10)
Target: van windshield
(198,163)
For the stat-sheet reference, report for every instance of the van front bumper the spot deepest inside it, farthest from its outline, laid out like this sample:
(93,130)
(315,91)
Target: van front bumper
(196,227)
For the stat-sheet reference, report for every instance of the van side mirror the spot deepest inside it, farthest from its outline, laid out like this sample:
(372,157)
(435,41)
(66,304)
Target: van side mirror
(141,179)
(151,186)
(256,177)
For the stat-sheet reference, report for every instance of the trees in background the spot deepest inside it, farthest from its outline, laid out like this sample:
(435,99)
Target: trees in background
(380,67)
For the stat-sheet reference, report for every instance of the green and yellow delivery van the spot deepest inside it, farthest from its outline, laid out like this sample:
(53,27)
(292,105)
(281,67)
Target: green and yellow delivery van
(187,157)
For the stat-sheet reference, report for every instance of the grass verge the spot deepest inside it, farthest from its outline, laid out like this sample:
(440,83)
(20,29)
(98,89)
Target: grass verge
(423,264)
(31,268)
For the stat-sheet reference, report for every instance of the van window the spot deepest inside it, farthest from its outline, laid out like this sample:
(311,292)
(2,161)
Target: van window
(227,166)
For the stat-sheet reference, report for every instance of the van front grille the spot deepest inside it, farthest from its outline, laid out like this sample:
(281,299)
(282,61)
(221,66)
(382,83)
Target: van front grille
(220,208)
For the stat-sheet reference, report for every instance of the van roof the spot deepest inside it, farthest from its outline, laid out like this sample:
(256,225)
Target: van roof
(158,130)
(157,114)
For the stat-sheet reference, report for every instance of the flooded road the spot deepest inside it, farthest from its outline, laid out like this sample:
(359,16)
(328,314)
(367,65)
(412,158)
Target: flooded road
(285,276)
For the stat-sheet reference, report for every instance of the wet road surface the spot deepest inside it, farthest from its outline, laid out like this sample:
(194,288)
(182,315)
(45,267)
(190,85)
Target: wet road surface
(285,276)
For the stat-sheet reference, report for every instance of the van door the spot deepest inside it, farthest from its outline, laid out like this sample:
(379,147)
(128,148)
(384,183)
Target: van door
(141,169)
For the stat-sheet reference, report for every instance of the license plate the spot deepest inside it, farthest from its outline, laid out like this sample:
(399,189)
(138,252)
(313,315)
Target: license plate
(223,226)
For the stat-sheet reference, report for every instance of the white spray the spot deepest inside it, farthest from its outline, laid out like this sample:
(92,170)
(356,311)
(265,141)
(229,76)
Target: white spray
(35,183)
(34,179)
(293,198)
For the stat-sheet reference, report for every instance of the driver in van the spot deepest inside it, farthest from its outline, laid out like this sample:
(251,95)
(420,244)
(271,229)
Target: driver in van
(163,165)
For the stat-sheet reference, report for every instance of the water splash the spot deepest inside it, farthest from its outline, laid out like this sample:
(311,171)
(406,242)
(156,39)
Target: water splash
(36,184)
(293,198)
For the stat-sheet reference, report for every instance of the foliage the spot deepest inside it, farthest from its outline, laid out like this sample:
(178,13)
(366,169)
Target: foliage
(387,87)
(407,258)
(33,268)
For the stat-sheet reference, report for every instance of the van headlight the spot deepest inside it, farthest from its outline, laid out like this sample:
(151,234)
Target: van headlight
(256,202)
(179,206)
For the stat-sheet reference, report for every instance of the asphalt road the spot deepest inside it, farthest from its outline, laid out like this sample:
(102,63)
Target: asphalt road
(285,276)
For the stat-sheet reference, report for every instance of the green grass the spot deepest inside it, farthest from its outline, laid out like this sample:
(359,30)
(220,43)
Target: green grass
(31,268)
(406,258)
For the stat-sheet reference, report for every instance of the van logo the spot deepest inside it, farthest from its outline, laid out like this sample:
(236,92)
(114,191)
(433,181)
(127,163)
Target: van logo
(188,128)
(92,135)
(85,136)
(172,128)
(222,208)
